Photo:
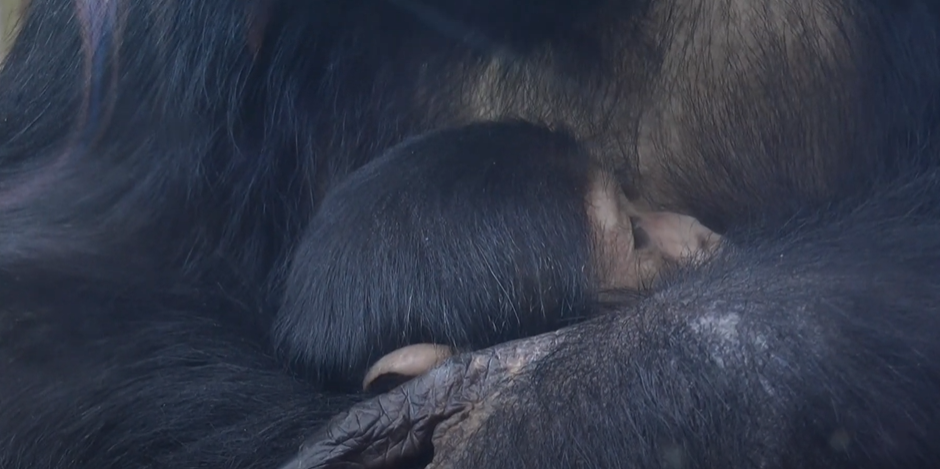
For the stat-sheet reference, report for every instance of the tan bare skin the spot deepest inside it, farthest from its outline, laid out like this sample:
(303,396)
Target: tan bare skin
(411,360)
(633,246)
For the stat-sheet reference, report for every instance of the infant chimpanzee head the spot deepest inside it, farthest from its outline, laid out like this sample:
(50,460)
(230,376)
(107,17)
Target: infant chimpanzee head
(632,247)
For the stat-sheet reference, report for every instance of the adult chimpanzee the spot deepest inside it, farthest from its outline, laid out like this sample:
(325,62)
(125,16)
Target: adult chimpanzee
(163,164)
(819,369)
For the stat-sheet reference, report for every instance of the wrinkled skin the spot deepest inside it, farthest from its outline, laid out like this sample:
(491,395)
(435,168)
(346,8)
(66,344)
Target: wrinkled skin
(441,408)
(708,372)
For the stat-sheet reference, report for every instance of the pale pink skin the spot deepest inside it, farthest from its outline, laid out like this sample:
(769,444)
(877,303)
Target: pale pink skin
(411,360)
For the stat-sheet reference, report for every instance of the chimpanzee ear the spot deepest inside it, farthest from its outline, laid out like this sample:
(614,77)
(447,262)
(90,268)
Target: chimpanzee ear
(402,425)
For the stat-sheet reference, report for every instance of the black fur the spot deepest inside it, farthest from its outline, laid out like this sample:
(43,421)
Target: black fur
(158,169)
(816,348)
(468,237)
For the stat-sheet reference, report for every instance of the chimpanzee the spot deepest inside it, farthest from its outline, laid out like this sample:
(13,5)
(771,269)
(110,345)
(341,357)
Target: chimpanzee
(703,373)
(468,236)
(164,168)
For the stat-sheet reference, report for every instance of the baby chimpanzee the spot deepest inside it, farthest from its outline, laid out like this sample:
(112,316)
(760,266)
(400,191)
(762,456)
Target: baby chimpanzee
(476,235)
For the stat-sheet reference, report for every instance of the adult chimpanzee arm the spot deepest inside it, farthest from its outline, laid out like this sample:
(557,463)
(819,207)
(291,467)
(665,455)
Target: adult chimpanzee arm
(754,363)
(815,350)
